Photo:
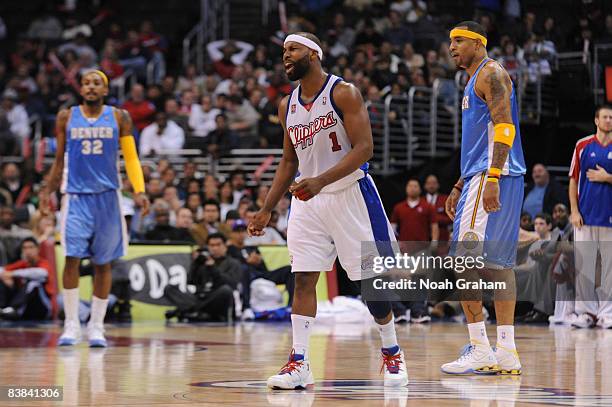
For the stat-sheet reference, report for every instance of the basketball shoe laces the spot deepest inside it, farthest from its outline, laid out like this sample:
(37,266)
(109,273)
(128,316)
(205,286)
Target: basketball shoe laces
(292,364)
(392,362)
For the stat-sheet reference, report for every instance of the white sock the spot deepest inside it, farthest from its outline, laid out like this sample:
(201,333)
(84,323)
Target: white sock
(302,327)
(98,310)
(71,304)
(505,336)
(387,334)
(478,334)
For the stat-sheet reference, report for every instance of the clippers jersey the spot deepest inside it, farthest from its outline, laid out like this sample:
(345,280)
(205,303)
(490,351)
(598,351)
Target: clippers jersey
(92,156)
(477,133)
(319,138)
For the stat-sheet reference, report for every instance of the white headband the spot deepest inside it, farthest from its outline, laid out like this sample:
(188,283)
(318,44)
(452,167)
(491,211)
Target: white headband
(306,42)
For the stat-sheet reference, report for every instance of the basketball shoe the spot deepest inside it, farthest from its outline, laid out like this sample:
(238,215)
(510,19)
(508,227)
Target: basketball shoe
(507,360)
(394,367)
(295,374)
(95,332)
(71,335)
(474,359)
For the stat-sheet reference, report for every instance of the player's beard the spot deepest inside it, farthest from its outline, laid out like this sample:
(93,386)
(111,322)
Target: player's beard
(93,102)
(300,68)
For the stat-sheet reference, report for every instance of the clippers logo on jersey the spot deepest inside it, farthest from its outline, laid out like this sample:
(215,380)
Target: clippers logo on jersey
(304,134)
(465,104)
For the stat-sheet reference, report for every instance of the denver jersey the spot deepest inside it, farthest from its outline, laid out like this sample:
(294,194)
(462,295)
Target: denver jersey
(317,133)
(477,133)
(91,156)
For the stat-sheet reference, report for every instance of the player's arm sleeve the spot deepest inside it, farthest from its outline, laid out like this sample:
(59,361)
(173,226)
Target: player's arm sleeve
(132,163)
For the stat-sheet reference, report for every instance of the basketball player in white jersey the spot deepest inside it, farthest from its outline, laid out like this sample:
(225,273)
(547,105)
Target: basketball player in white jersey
(335,205)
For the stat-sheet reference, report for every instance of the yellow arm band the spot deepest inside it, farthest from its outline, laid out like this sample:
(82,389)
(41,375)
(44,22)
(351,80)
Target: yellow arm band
(494,172)
(132,164)
(504,133)
(459,32)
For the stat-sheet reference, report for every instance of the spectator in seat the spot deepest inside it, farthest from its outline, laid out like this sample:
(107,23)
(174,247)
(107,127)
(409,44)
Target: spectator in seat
(133,55)
(202,118)
(11,180)
(398,33)
(184,222)
(544,192)
(222,139)
(16,127)
(27,286)
(242,118)
(162,230)
(410,58)
(11,235)
(228,54)
(141,110)
(171,107)
(162,135)
(156,46)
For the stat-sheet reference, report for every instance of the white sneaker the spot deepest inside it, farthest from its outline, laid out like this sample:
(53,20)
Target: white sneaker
(476,359)
(95,332)
(295,374)
(394,367)
(583,321)
(247,315)
(553,320)
(605,322)
(507,360)
(71,335)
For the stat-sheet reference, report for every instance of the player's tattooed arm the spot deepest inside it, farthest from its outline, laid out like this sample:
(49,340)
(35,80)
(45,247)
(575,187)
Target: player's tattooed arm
(125,123)
(55,174)
(495,86)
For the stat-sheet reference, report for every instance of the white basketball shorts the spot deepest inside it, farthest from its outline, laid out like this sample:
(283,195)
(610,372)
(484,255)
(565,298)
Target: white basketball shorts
(334,225)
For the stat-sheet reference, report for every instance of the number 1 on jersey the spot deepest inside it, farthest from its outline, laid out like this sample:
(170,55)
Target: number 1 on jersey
(334,140)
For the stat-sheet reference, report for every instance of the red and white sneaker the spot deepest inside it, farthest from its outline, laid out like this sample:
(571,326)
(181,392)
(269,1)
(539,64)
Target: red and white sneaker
(296,374)
(394,367)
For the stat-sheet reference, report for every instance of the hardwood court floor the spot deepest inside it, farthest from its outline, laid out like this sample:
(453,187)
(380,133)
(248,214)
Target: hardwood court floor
(152,364)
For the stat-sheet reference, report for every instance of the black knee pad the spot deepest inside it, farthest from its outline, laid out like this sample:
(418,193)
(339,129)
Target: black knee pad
(379,309)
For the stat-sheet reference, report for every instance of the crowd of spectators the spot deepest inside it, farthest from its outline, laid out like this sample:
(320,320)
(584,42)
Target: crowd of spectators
(384,48)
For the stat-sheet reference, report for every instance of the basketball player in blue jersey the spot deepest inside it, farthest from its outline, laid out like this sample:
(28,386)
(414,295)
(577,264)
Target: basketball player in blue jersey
(87,164)
(335,205)
(486,202)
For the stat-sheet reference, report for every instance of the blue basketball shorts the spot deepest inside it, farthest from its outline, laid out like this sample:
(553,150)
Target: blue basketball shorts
(92,225)
(497,232)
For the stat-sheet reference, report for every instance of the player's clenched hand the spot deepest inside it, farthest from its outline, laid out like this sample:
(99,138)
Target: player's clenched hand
(306,188)
(576,219)
(142,201)
(451,203)
(258,223)
(490,197)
